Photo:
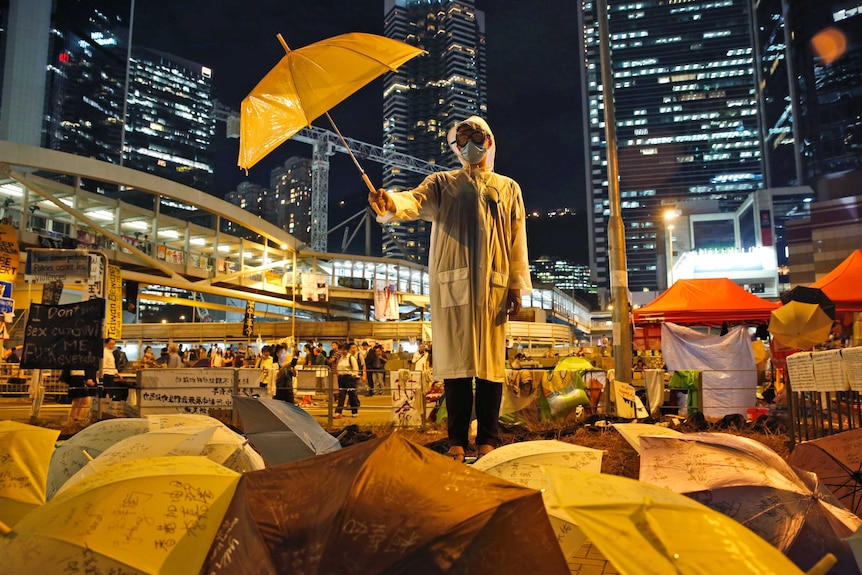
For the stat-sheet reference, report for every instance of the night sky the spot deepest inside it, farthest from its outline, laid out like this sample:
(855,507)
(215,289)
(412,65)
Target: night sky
(533,84)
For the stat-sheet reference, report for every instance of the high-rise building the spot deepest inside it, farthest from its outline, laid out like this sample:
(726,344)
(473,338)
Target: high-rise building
(170,118)
(428,95)
(290,199)
(250,197)
(686,120)
(83,102)
(563,274)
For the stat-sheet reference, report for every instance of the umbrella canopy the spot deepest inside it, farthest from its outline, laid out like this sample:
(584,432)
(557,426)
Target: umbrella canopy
(282,432)
(527,463)
(643,529)
(308,82)
(837,461)
(800,325)
(209,442)
(810,295)
(383,506)
(147,516)
(226,446)
(74,453)
(632,432)
(25,454)
(504,461)
(749,482)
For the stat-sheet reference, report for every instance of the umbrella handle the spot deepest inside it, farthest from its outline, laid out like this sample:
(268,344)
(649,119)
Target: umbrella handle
(4,529)
(365,177)
(823,566)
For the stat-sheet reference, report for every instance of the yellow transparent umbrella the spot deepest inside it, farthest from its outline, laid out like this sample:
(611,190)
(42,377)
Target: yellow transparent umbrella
(800,325)
(308,82)
(643,529)
(215,444)
(157,515)
(25,454)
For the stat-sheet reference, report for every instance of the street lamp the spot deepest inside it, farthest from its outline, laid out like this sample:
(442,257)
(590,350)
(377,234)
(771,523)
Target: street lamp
(669,217)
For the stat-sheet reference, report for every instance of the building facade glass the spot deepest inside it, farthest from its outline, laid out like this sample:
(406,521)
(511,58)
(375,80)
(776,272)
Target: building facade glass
(171,124)
(290,198)
(686,120)
(428,95)
(88,50)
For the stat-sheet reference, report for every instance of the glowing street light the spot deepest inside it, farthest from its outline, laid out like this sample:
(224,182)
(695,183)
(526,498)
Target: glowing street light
(669,218)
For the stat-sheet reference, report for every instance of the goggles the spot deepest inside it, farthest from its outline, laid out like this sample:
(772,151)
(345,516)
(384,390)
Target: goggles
(463,136)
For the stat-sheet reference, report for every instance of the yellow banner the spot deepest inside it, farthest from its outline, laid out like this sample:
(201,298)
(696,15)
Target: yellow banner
(114,313)
(9,256)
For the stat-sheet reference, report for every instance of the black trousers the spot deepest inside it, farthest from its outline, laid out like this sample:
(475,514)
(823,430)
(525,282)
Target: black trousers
(347,388)
(116,389)
(458,394)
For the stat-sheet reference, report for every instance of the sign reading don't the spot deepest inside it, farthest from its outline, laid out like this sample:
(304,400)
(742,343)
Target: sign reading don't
(64,336)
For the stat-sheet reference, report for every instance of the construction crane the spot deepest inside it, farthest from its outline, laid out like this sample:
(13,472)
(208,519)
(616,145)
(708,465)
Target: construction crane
(325,144)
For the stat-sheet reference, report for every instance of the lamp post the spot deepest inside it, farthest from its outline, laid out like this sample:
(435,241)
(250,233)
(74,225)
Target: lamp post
(669,217)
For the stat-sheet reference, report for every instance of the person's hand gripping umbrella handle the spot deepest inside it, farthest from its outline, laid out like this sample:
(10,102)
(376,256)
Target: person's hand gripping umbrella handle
(380,201)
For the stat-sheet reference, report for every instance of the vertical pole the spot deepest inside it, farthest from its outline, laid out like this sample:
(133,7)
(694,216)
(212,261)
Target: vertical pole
(616,229)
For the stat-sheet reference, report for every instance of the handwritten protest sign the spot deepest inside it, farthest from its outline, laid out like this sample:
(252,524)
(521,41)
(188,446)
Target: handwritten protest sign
(64,336)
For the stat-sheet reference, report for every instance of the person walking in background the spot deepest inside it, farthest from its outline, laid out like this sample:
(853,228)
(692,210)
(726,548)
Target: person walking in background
(174,359)
(348,376)
(376,365)
(265,364)
(110,376)
(478,270)
(239,356)
(284,376)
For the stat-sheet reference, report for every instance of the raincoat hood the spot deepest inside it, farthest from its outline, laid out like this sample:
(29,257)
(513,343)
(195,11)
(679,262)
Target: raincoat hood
(450,137)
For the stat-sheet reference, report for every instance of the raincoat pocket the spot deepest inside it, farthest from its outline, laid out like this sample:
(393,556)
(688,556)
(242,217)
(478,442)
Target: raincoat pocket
(454,287)
(498,290)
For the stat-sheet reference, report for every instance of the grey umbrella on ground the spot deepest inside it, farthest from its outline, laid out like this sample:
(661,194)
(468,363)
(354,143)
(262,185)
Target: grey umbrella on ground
(282,432)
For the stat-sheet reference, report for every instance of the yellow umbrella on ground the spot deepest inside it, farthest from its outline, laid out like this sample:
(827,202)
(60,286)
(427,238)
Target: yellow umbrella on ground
(74,453)
(800,325)
(25,454)
(308,82)
(643,529)
(632,432)
(157,515)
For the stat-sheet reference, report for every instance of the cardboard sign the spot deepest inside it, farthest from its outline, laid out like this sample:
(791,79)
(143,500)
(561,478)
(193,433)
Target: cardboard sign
(64,336)
(9,255)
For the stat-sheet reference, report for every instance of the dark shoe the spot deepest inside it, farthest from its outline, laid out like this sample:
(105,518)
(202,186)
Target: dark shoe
(456,453)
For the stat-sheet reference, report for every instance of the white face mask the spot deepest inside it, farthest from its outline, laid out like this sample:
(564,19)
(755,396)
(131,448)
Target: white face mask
(473,153)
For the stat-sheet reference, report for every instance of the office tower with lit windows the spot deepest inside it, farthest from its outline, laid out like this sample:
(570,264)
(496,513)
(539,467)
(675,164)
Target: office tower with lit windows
(290,197)
(85,86)
(428,95)
(686,121)
(171,124)
(250,197)
(563,274)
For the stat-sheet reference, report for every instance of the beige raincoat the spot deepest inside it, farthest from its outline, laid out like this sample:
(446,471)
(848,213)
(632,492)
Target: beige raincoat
(478,252)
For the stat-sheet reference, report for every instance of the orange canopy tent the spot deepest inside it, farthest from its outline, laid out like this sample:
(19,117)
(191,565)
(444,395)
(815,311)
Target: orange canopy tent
(842,284)
(707,302)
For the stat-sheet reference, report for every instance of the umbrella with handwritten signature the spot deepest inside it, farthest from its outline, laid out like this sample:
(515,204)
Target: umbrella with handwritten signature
(214,443)
(25,453)
(156,515)
(383,506)
(74,453)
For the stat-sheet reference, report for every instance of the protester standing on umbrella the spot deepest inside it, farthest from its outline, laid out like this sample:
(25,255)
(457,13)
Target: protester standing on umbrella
(478,270)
